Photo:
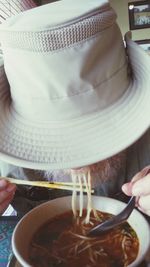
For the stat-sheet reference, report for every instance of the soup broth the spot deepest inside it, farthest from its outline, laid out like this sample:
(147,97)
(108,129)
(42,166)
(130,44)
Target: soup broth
(62,242)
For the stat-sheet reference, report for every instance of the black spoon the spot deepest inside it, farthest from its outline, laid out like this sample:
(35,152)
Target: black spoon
(117,219)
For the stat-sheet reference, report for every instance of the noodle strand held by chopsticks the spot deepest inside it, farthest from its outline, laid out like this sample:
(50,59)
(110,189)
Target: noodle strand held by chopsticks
(74,194)
(81,195)
(89,200)
(83,177)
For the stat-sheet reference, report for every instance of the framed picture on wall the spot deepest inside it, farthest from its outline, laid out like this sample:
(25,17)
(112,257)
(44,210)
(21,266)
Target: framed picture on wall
(139,14)
(145,44)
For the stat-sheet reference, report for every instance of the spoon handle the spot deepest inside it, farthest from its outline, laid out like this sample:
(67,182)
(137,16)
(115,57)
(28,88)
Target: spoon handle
(117,219)
(128,209)
(114,221)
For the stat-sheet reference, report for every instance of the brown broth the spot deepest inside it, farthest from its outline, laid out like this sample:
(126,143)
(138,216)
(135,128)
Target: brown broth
(62,242)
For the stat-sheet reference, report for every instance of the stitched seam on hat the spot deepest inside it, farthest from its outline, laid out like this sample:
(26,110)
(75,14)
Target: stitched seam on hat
(53,40)
(87,91)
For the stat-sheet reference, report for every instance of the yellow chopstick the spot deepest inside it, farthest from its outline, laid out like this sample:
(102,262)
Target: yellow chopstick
(57,185)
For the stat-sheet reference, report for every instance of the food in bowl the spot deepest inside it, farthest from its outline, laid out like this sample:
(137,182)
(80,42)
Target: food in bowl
(27,230)
(63,242)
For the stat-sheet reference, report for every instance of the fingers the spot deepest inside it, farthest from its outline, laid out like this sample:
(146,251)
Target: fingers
(137,176)
(3,184)
(5,203)
(140,183)
(7,191)
(127,189)
(140,187)
(144,204)
(141,174)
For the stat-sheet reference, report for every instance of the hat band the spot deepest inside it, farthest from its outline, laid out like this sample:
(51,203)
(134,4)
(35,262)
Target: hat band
(55,39)
(40,108)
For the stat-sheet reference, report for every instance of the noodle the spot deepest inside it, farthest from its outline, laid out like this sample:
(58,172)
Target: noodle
(71,246)
(89,201)
(82,176)
(74,195)
(81,196)
(66,241)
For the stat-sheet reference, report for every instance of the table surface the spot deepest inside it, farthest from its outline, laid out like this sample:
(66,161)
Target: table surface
(138,157)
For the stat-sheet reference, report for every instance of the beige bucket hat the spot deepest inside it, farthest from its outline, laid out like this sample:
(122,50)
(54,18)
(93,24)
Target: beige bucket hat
(76,95)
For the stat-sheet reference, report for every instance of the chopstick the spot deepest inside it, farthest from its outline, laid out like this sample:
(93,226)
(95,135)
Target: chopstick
(54,185)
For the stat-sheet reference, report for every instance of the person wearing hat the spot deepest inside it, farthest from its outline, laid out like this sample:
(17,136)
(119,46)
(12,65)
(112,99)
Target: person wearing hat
(73,93)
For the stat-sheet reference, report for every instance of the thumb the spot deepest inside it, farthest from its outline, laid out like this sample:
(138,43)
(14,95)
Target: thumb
(127,187)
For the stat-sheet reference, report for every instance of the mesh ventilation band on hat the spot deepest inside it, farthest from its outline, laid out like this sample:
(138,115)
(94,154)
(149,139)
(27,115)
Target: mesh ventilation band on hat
(55,39)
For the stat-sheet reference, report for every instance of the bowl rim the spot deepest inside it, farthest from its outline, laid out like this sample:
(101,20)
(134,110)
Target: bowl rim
(106,200)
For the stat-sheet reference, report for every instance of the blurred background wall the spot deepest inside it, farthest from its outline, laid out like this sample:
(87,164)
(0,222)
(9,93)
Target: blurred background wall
(121,8)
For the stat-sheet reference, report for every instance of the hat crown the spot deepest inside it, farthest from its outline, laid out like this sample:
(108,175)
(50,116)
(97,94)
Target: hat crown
(70,66)
(55,14)
(71,101)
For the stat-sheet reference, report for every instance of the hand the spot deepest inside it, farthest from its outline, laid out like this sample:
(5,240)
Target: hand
(7,191)
(140,187)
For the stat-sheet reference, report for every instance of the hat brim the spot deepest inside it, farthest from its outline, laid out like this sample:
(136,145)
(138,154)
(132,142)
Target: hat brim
(82,141)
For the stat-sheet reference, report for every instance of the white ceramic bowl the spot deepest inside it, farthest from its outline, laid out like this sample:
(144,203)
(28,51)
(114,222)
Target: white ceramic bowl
(28,225)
